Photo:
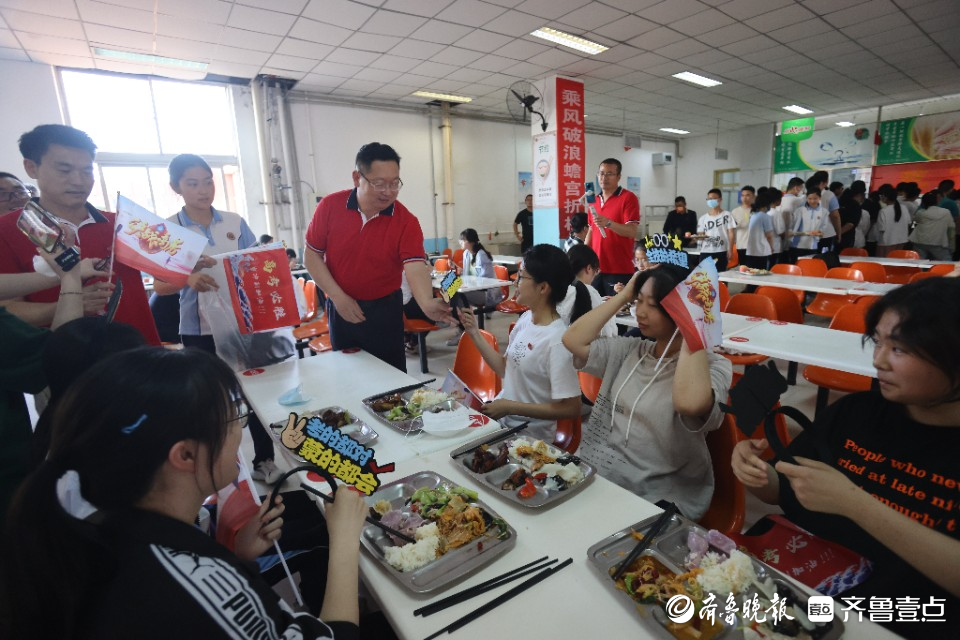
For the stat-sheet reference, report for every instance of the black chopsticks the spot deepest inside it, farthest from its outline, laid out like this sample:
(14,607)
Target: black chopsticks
(372,521)
(483,587)
(409,387)
(497,438)
(496,602)
(648,537)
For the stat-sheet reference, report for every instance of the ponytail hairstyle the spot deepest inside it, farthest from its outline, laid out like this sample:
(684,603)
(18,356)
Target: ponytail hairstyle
(581,256)
(888,193)
(548,264)
(471,236)
(114,427)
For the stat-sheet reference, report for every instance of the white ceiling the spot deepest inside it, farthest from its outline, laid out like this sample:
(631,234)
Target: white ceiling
(837,57)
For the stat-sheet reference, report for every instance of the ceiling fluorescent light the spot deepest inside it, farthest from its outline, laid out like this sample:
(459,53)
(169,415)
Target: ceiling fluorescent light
(672,130)
(567,40)
(443,97)
(844,123)
(147,58)
(798,109)
(697,79)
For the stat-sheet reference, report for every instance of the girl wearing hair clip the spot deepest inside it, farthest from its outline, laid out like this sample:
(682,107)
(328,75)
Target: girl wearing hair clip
(657,400)
(148,446)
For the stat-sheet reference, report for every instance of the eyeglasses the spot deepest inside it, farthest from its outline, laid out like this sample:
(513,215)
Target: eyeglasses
(381,185)
(243,412)
(608,174)
(16,194)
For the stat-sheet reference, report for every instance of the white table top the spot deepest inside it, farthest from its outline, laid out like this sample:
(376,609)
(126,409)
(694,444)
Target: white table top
(589,607)
(895,262)
(574,603)
(808,283)
(343,379)
(806,344)
(477,283)
(510,261)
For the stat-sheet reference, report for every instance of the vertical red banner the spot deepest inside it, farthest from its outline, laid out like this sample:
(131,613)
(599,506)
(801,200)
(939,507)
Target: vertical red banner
(571,147)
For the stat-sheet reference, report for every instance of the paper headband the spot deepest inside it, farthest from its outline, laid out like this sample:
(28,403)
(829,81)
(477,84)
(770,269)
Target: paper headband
(665,248)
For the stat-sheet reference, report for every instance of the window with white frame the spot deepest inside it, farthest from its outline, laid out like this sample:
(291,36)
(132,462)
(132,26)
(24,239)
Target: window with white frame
(139,124)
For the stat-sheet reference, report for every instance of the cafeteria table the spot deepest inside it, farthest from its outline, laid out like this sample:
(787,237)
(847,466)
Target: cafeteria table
(808,283)
(577,602)
(510,262)
(895,262)
(802,343)
(342,379)
(476,283)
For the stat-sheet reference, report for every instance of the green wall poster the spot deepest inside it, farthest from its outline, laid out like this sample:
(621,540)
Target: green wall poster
(933,137)
(827,149)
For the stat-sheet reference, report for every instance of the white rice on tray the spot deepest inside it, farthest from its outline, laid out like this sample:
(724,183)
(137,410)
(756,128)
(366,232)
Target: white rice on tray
(412,556)
(733,575)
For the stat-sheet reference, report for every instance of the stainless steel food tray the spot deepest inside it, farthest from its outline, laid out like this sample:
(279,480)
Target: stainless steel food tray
(493,479)
(404,426)
(356,428)
(448,568)
(670,548)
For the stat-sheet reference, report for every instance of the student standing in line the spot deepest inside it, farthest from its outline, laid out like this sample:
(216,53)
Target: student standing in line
(935,233)
(741,215)
(192,179)
(807,222)
(718,225)
(681,221)
(893,222)
(760,234)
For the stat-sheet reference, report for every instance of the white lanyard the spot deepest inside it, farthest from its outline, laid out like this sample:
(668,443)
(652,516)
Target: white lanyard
(656,372)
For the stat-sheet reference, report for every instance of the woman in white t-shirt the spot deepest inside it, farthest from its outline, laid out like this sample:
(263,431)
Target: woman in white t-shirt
(586,265)
(539,382)
(893,223)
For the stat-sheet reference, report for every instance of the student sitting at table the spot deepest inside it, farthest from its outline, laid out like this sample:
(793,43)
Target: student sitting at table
(877,473)
(148,447)
(586,265)
(657,400)
(477,261)
(539,381)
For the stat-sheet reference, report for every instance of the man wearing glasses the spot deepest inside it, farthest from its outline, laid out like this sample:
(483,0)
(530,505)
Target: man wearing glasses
(617,212)
(361,240)
(13,195)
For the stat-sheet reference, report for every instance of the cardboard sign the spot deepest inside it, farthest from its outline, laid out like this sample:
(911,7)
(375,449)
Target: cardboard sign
(148,243)
(694,307)
(261,290)
(327,447)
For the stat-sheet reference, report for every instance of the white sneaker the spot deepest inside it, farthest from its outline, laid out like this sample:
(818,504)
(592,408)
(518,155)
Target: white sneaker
(266,471)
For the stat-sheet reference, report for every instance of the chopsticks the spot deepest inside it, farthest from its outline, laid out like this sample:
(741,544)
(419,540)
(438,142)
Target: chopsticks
(483,587)
(372,521)
(409,387)
(496,602)
(655,529)
(498,437)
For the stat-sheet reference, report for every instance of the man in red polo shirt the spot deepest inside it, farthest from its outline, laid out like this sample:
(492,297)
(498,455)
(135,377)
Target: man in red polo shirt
(361,241)
(60,159)
(618,213)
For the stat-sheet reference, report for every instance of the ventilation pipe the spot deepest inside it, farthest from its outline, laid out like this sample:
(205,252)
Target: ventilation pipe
(446,130)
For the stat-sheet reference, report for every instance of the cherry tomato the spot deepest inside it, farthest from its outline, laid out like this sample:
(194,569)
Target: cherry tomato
(528,490)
